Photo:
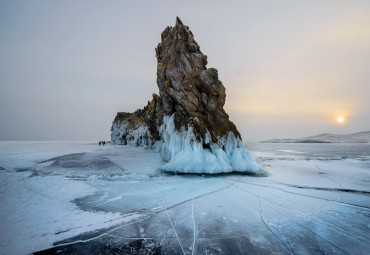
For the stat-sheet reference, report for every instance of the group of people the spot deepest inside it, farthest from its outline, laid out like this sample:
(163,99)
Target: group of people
(101,143)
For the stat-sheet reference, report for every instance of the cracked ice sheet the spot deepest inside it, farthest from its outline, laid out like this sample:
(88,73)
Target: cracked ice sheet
(232,214)
(36,212)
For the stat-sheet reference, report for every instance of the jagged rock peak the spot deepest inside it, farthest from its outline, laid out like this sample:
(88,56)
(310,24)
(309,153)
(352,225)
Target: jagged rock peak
(188,89)
(178,21)
(186,122)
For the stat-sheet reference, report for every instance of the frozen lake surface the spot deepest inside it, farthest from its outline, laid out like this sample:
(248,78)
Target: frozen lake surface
(79,198)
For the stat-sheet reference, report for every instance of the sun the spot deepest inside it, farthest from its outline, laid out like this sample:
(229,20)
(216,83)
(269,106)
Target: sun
(340,120)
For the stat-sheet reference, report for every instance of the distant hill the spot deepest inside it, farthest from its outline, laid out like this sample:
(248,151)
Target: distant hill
(361,137)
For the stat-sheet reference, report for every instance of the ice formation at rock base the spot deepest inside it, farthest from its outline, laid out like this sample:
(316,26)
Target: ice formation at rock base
(183,153)
(122,135)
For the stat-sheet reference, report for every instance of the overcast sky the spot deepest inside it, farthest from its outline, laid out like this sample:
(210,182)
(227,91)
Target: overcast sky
(290,68)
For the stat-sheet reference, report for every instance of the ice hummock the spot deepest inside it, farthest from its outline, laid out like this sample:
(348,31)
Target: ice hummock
(185,154)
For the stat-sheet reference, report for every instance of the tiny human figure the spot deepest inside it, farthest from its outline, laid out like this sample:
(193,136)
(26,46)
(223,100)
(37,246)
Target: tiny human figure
(99,143)
(103,143)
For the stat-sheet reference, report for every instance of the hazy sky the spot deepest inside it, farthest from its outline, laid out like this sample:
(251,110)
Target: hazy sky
(290,68)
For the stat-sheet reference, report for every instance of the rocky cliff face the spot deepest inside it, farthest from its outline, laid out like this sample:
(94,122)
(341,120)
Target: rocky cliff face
(186,122)
(140,128)
(189,90)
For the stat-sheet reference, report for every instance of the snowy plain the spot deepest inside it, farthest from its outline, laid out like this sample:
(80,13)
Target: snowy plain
(79,198)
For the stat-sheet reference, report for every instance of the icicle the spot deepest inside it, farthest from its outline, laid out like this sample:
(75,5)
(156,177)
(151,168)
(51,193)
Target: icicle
(185,154)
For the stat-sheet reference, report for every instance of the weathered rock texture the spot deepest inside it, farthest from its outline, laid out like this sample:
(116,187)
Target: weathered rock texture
(189,92)
(188,89)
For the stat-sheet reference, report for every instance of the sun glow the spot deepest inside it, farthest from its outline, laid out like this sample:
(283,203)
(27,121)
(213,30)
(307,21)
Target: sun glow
(340,120)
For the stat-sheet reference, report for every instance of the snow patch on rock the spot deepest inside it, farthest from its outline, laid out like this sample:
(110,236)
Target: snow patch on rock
(123,135)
